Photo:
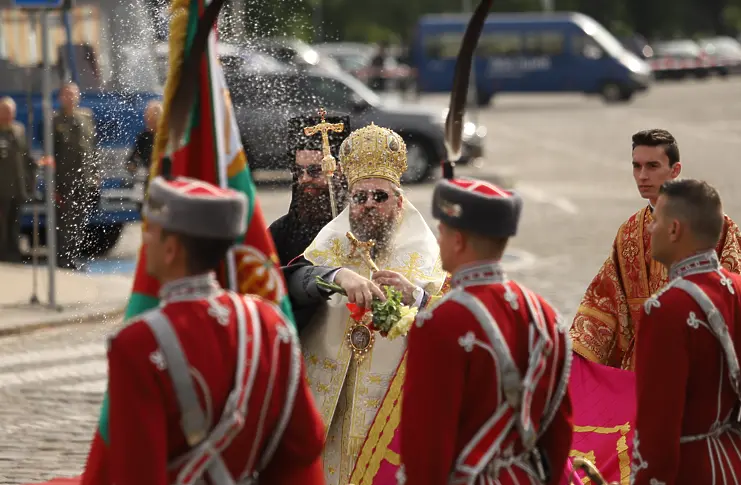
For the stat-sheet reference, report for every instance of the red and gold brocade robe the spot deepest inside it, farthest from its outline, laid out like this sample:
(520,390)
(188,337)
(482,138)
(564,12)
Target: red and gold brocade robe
(605,323)
(686,431)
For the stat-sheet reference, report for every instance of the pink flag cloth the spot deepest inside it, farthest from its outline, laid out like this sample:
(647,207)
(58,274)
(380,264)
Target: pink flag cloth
(604,405)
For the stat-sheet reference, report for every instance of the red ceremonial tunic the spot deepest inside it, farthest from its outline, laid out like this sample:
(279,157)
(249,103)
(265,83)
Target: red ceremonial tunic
(276,429)
(687,378)
(486,386)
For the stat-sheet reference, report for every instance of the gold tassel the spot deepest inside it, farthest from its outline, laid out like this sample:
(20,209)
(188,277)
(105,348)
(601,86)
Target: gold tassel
(178,35)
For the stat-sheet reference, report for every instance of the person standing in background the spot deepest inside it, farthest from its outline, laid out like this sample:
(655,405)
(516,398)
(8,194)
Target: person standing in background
(141,153)
(607,320)
(377,81)
(76,181)
(16,179)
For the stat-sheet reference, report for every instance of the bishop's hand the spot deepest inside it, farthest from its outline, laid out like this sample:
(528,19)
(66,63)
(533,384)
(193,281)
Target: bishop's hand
(359,290)
(399,282)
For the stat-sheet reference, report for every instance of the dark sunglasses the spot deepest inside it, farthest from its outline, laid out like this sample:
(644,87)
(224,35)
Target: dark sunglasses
(378,196)
(314,171)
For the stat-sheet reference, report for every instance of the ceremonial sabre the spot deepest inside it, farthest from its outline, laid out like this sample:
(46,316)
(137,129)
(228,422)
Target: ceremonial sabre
(459,93)
(591,471)
(329,164)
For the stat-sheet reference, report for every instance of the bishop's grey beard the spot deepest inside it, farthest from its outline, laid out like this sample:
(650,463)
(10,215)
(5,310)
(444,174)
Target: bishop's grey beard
(371,224)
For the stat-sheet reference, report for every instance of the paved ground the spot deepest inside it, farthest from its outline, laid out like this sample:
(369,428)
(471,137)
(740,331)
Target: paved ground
(78,297)
(571,158)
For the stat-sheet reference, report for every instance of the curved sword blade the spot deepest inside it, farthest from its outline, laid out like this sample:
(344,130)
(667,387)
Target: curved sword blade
(459,94)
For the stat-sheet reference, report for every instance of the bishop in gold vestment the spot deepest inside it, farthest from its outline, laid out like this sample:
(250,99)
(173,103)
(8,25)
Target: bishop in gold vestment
(605,323)
(359,396)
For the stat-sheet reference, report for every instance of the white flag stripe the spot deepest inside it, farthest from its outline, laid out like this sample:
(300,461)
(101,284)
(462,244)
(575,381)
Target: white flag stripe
(52,355)
(92,368)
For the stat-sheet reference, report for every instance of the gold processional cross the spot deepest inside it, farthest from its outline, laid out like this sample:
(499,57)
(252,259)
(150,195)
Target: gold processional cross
(329,164)
(364,248)
(360,337)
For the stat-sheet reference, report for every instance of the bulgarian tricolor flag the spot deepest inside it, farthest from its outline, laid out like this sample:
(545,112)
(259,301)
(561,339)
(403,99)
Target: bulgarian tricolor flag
(211,151)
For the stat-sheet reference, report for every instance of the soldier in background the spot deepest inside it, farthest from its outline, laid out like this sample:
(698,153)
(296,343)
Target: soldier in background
(141,154)
(76,176)
(16,179)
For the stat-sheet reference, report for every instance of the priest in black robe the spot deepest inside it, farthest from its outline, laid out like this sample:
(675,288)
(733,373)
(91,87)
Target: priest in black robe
(310,208)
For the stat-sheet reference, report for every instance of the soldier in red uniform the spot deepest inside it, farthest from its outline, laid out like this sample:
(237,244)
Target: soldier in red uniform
(485,399)
(687,369)
(209,387)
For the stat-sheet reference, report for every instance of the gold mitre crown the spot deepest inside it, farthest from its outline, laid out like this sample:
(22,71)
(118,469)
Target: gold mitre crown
(373,152)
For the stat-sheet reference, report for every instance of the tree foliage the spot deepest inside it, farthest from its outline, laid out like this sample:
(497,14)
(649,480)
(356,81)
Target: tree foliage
(394,20)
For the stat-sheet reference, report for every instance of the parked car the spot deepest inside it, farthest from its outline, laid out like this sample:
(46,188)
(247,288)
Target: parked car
(724,53)
(529,52)
(638,45)
(264,102)
(293,52)
(351,56)
(232,57)
(356,58)
(678,59)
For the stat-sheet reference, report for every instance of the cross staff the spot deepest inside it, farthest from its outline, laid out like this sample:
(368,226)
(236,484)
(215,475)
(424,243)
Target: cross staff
(329,164)
(364,248)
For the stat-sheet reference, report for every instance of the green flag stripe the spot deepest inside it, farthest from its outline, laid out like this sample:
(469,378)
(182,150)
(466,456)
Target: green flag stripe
(242,182)
(193,17)
(103,421)
(140,303)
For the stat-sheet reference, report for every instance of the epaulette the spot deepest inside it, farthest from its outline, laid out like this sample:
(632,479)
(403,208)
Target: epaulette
(427,313)
(653,300)
(278,311)
(126,324)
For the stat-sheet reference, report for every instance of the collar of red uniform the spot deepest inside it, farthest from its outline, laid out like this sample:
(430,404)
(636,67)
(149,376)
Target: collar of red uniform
(190,288)
(479,273)
(704,262)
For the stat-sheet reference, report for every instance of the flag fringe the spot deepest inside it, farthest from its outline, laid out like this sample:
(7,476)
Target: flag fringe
(179,11)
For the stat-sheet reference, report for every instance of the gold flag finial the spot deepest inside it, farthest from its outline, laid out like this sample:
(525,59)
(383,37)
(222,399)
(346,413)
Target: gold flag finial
(329,164)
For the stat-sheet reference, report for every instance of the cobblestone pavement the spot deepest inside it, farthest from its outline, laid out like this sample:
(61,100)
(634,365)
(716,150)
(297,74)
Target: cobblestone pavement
(51,383)
(570,157)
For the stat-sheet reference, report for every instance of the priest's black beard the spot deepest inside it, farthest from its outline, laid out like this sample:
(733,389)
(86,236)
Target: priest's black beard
(371,224)
(312,204)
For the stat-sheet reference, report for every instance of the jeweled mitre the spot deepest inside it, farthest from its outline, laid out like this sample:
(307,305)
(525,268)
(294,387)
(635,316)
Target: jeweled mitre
(373,152)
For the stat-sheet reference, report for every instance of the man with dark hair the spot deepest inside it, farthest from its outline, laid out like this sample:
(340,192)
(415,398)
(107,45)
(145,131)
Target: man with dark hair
(485,398)
(606,321)
(209,386)
(310,208)
(688,382)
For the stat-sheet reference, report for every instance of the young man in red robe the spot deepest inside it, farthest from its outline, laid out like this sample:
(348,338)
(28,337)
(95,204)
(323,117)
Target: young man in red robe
(485,398)
(606,321)
(209,387)
(687,368)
